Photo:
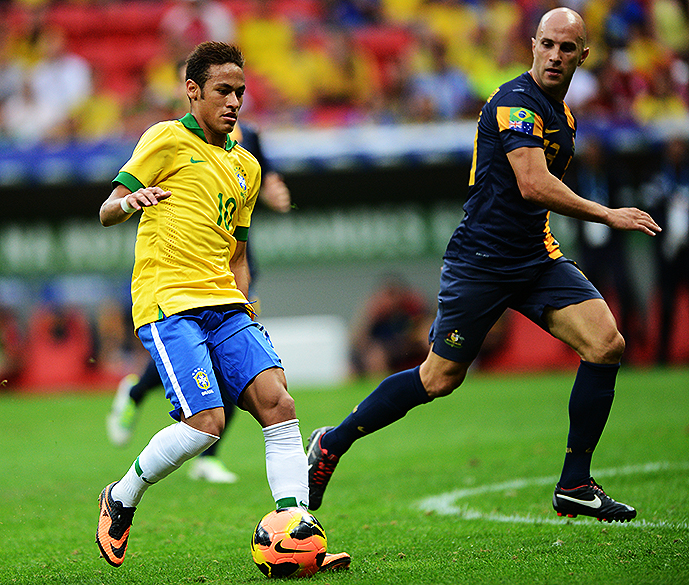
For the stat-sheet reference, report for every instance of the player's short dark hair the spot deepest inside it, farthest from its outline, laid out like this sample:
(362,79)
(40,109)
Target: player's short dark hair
(211,53)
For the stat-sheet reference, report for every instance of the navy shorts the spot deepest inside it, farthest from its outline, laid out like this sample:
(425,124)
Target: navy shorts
(203,354)
(472,299)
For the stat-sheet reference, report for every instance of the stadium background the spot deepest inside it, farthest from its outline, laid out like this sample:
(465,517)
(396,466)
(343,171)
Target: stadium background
(377,166)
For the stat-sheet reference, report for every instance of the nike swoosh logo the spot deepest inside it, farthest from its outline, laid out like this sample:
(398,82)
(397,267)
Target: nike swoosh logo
(550,131)
(119,551)
(199,161)
(594,503)
(281,549)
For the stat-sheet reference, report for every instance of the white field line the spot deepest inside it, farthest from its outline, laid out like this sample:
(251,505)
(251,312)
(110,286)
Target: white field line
(447,504)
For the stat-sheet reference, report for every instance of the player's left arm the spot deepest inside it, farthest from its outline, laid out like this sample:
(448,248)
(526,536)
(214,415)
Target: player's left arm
(123,202)
(239,264)
(274,193)
(539,186)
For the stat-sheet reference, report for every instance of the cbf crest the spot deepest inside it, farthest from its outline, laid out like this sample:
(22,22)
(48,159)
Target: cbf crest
(240,173)
(201,378)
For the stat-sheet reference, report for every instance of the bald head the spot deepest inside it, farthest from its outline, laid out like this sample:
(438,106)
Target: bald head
(560,18)
(558,49)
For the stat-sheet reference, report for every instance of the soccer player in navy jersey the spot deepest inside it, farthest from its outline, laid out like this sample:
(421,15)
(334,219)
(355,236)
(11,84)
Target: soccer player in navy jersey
(503,255)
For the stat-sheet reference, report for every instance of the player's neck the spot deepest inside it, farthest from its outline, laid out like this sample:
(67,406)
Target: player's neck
(558,95)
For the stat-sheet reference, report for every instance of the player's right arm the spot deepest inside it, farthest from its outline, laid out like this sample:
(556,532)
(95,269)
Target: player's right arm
(542,188)
(122,203)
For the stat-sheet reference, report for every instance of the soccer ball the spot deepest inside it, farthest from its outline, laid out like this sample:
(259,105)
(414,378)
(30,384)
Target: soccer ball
(289,542)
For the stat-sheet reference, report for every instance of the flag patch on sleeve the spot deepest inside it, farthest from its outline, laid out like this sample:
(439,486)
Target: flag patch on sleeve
(520,120)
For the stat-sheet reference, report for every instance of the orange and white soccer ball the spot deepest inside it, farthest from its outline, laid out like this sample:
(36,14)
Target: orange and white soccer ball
(289,542)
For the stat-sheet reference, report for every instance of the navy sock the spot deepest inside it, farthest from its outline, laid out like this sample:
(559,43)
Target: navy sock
(149,379)
(390,401)
(589,407)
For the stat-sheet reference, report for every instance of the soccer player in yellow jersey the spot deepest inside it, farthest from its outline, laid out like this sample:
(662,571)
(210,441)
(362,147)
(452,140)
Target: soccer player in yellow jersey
(197,189)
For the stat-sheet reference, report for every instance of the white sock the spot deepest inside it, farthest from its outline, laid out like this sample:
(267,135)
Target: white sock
(165,452)
(286,464)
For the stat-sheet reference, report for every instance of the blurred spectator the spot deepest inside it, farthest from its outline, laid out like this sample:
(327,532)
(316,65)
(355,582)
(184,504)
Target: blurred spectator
(390,333)
(618,86)
(60,77)
(351,58)
(268,43)
(667,199)
(622,17)
(353,13)
(59,347)
(583,90)
(603,253)
(50,91)
(189,22)
(346,77)
(24,119)
(25,38)
(98,117)
(671,23)
(10,69)
(116,348)
(440,92)
(11,349)
(660,102)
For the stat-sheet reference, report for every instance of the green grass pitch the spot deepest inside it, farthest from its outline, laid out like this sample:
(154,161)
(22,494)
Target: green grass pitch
(459,491)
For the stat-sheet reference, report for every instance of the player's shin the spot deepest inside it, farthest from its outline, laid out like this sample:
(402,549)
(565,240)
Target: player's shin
(165,452)
(589,408)
(389,402)
(286,464)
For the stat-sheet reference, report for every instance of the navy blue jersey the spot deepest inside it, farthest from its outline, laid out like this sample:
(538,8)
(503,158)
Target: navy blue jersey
(500,228)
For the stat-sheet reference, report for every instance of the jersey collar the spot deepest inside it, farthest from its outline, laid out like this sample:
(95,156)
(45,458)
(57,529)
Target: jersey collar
(192,125)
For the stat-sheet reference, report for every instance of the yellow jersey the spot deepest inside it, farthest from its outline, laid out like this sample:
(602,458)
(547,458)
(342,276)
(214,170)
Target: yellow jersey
(185,243)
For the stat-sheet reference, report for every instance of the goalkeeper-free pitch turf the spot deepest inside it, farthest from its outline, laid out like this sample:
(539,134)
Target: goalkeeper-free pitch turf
(459,491)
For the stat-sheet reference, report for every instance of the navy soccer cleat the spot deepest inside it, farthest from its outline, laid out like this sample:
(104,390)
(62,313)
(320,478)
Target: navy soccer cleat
(590,500)
(321,467)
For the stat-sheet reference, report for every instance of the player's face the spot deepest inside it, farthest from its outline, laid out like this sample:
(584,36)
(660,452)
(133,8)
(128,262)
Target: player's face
(557,52)
(216,105)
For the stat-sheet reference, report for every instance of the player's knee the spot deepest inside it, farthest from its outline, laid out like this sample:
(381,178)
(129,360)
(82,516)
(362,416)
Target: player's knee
(211,421)
(443,384)
(284,408)
(609,350)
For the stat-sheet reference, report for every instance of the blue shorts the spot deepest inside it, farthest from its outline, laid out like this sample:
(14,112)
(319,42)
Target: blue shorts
(203,354)
(472,299)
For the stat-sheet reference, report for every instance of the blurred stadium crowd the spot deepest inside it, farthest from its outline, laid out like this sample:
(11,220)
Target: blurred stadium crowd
(93,69)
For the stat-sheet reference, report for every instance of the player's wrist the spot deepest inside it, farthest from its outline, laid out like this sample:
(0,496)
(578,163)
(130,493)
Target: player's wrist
(124,204)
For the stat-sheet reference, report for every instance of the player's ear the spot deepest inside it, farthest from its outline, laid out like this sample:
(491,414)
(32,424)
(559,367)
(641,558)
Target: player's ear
(584,54)
(193,89)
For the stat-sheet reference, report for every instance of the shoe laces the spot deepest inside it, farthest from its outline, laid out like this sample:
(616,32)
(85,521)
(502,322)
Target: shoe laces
(325,468)
(121,519)
(596,487)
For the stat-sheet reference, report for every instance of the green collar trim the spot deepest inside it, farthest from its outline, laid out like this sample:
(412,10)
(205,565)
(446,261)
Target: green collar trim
(192,125)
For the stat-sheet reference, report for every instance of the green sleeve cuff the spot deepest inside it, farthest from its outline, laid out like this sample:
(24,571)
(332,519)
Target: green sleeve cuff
(129,181)
(241,234)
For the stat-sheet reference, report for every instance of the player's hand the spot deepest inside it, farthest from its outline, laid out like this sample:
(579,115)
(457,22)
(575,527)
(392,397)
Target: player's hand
(146,197)
(631,218)
(275,194)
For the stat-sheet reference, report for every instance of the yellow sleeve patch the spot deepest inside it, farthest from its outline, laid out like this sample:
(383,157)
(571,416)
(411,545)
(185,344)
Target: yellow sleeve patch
(519,120)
